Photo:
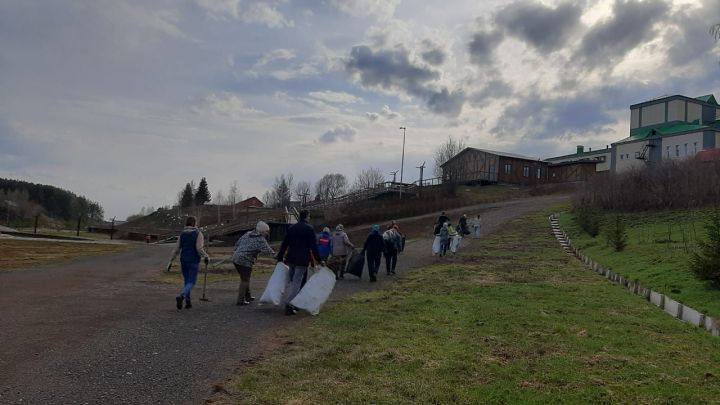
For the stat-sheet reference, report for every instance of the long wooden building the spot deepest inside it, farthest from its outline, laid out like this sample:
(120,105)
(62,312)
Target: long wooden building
(474,165)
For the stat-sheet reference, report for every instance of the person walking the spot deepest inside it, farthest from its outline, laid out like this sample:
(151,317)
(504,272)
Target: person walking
(476,225)
(443,218)
(463,226)
(453,235)
(190,248)
(247,249)
(395,225)
(341,248)
(373,249)
(444,239)
(391,239)
(324,241)
(298,249)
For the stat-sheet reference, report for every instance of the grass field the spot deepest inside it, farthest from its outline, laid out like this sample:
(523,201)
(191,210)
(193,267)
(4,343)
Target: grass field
(30,253)
(67,232)
(513,319)
(658,254)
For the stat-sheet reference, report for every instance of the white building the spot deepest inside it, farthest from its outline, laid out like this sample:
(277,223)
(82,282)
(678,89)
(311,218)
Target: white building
(673,127)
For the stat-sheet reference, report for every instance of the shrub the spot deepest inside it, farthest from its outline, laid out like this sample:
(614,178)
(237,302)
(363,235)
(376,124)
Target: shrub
(587,217)
(616,234)
(706,262)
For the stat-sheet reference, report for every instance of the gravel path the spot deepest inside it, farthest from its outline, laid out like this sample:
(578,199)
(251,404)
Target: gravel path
(100,330)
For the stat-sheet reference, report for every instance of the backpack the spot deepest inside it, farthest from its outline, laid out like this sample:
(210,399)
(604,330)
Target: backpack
(324,245)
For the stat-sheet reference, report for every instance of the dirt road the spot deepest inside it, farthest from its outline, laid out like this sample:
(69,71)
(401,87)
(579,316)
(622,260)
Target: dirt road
(101,330)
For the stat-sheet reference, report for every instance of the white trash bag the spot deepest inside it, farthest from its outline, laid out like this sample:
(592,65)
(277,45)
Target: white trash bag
(455,243)
(275,289)
(436,246)
(316,291)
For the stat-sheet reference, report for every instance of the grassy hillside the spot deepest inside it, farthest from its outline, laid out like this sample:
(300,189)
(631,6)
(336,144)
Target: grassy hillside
(658,254)
(513,319)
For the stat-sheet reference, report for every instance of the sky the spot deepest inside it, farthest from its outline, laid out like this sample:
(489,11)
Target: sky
(126,101)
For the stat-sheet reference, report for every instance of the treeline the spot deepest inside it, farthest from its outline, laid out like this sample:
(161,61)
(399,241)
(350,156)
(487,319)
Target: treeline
(25,200)
(666,185)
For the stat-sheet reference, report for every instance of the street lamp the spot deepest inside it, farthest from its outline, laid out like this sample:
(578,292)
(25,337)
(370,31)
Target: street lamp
(402,161)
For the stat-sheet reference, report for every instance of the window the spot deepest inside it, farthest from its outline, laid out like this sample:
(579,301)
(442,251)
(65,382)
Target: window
(667,151)
(622,156)
(695,147)
(508,168)
(677,150)
(686,152)
(526,171)
(539,172)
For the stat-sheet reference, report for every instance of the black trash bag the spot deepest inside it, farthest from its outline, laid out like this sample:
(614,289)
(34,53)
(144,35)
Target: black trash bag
(356,263)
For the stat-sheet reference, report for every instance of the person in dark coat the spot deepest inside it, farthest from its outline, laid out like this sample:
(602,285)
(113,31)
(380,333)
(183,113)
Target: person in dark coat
(463,226)
(373,248)
(443,218)
(298,249)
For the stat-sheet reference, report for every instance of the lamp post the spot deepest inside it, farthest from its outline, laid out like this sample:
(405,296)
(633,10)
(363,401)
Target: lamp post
(402,161)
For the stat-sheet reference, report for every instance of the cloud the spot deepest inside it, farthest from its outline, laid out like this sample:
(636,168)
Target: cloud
(372,116)
(392,69)
(433,53)
(632,24)
(386,112)
(344,132)
(335,97)
(257,12)
(225,104)
(366,8)
(547,29)
(275,54)
(688,38)
(482,46)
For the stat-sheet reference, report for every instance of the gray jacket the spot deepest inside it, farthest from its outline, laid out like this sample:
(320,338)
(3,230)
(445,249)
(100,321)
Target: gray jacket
(248,247)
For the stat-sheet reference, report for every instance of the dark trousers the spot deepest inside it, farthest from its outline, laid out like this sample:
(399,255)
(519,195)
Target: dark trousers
(373,262)
(390,260)
(244,290)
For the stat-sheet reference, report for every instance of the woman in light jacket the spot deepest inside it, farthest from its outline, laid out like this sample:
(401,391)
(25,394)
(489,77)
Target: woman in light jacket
(341,248)
(247,249)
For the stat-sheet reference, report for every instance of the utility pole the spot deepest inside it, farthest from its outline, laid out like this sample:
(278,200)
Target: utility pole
(112,228)
(421,167)
(394,174)
(304,198)
(402,161)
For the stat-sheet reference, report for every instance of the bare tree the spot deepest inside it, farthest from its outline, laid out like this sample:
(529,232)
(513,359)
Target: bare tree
(281,193)
(446,151)
(368,178)
(331,186)
(302,191)
(715,31)
(233,196)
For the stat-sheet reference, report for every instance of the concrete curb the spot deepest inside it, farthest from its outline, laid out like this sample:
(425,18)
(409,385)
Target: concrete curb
(667,304)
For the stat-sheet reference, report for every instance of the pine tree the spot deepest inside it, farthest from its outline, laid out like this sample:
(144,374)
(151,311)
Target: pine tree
(186,196)
(203,193)
(706,263)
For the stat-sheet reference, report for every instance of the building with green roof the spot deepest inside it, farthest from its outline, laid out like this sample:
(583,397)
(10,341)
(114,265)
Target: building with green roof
(668,128)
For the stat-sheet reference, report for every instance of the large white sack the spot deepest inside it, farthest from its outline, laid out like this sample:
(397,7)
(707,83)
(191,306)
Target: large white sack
(436,245)
(316,291)
(455,243)
(275,289)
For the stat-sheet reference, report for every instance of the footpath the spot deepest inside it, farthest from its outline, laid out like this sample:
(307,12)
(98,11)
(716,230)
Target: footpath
(103,330)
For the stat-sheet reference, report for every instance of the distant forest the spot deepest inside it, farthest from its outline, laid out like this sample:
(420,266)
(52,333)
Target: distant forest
(24,200)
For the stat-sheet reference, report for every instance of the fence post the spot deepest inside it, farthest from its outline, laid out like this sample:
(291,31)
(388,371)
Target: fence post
(680,311)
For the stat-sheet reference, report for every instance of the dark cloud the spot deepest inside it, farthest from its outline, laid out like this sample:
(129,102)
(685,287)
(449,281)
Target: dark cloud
(495,88)
(545,28)
(482,46)
(392,69)
(632,24)
(341,133)
(539,118)
(690,41)
(433,53)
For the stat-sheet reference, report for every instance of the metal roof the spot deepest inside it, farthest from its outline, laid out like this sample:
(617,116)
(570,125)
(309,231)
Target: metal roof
(668,129)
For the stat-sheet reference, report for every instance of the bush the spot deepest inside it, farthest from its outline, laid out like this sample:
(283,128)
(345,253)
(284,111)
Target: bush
(616,235)
(706,263)
(587,217)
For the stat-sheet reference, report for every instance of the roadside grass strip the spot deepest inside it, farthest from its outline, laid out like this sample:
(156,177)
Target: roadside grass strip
(658,254)
(511,319)
(31,253)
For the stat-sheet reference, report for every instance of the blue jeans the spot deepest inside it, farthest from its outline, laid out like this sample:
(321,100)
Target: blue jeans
(296,277)
(189,272)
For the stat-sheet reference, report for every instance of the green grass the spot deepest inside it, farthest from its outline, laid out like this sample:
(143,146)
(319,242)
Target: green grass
(515,320)
(67,232)
(658,254)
